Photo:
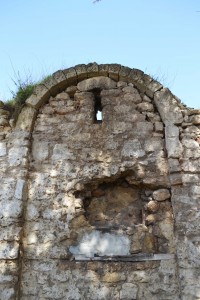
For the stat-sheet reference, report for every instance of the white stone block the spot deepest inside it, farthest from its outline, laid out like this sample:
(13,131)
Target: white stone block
(3,149)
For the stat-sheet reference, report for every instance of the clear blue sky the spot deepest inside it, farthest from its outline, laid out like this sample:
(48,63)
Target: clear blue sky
(159,37)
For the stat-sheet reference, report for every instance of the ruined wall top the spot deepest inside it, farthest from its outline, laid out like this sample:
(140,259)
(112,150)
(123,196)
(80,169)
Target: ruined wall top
(169,106)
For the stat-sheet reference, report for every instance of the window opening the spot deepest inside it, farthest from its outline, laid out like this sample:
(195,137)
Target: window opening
(97,106)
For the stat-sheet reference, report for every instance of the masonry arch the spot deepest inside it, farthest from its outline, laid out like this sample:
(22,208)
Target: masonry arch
(70,161)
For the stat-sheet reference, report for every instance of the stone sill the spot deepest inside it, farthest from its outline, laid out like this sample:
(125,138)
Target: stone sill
(125,258)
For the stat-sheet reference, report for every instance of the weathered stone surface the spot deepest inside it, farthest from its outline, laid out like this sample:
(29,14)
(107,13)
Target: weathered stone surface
(3,149)
(195,119)
(168,107)
(26,119)
(161,194)
(9,250)
(173,145)
(128,292)
(71,184)
(40,95)
(96,83)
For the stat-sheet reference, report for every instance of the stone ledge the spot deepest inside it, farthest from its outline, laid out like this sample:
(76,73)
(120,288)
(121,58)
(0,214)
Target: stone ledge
(126,258)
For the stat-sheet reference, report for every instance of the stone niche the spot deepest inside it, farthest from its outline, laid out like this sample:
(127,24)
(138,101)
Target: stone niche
(121,218)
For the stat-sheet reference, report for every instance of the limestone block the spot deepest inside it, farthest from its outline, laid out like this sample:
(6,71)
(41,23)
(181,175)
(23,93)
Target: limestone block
(158,126)
(195,119)
(154,144)
(174,147)
(7,293)
(190,178)
(132,149)
(39,97)
(40,150)
(133,97)
(192,166)
(121,84)
(190,143)
(154,86)
(9,250)
(20,189)
(81,71)
(9,231)
(168,107)
(100,82)
(7,188)
(18,138)
(145,106)
(171,131)
(161,194)
(174,165)
(71,76)
(143,129)
(52,85)
(60,77)
(61,152)
(103,69)
(113,71)
(114,277)
(152,206)
(100,243)
(124,73)
(26,118)
(16,155)
(92,69)
(143,84)
(128,292)
(3,149)
(11,209)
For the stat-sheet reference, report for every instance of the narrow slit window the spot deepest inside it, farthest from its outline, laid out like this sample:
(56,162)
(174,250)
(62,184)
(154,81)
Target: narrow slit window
(97,106)
(99,116)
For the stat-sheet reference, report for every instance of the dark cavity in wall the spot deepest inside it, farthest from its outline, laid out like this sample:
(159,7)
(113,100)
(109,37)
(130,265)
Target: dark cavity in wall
(97,106)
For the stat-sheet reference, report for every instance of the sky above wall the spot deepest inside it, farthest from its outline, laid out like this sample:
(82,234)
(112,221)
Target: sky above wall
(162,38)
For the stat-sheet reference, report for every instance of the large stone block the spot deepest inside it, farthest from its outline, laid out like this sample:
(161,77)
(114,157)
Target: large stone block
(101,82)
(168,107)
(26,119)
(40,96)
(9,250)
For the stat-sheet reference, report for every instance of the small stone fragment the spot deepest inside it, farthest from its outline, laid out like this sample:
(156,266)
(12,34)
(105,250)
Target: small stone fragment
(161,195)
(152,206)
(150,219)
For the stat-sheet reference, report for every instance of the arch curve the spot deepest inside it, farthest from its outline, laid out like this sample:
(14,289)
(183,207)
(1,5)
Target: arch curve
(167,104)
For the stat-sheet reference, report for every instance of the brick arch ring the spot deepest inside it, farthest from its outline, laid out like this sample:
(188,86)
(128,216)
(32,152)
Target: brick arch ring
(169,106)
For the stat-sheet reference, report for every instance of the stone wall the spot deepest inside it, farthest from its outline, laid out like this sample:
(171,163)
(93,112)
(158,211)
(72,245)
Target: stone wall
(100,208)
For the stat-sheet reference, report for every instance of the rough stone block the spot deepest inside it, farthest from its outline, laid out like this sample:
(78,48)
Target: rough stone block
(174,148)
(3,149)
(128,291)
(16,155)
(9,250)
(26,118)
(100,82)
(92,70)
(195,119)
(71,76)
(124,73)
(103,69)
(161,194)
(40,150)
(113,71)
(20,189)
(132,149)
(81,71)
(39,97)
(52,85)
(168,107)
